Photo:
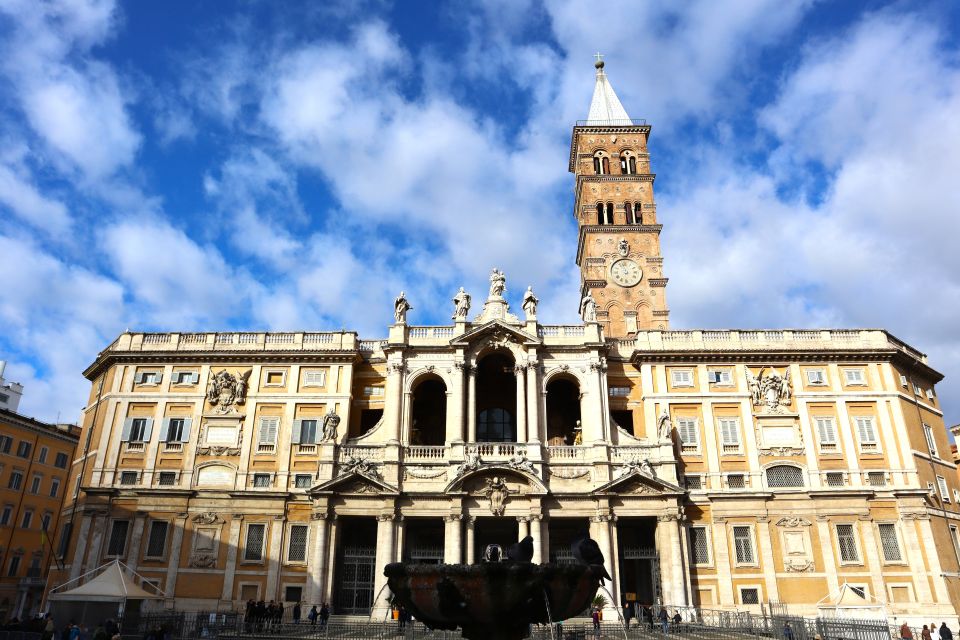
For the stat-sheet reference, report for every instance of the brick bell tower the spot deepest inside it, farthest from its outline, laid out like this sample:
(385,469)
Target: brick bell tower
(618,248)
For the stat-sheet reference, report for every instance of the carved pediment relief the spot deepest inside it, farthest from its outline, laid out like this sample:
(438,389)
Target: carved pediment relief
(355,482)
(793,521)
(635,482)
(518,479)
(494,334)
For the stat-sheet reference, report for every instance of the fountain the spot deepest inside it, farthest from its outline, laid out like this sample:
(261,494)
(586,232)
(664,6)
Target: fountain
(493,600)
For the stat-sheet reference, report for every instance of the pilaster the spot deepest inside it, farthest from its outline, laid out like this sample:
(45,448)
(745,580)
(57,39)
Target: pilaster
(317,566)
(173,560)
(233,545)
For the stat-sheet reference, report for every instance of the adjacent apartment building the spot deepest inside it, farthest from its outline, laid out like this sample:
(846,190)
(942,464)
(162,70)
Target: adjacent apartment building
(718,468)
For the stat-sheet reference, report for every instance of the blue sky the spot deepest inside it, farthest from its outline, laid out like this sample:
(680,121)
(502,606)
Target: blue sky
(273,166)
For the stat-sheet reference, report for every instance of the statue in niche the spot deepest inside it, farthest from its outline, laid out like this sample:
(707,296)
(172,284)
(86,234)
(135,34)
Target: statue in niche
(498,282)
(328,427)
(530,302)
(772,392)
(588,308)
(664,426)
(226,390)
(400,308)
(498,492)
(461,303)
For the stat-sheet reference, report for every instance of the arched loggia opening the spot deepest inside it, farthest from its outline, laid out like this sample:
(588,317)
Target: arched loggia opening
(429,412)
(563,411)
(496,398)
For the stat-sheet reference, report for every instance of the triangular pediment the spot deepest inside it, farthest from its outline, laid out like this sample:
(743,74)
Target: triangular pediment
(495,331)
(354,482)
(636,483)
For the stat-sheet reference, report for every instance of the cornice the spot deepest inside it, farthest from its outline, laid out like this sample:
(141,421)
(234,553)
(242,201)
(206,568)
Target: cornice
(109,358)
(612,228)
(24,422)
(579,129)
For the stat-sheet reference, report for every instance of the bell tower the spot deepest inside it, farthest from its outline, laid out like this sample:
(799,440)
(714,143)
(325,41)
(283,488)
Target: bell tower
(618,245)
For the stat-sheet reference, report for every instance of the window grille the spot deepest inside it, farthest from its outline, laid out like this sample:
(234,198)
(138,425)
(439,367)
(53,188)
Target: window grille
(157,541)
(827,432)
(835,479)
(730,435)
(847,542)
(737,481)
(297,552)
(743,541)
(118,538)
(253,550)
(699,549)
(261,479)
(889,542)
(877,479)
(302,480)
(167,478)
(694,483)
(784,476)
(750,596)
(128,477)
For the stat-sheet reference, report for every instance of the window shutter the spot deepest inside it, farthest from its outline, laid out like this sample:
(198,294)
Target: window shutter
(729,432)
(828,434)
(194,378)
(185,433)
(158,377)
(318,432)
(268,430)
(138,378)
(295,432)
(147,430)
(865,430)
(164,429)
(125,433)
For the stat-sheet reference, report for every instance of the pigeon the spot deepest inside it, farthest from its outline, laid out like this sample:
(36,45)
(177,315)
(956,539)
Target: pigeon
(521,551)
(588,551)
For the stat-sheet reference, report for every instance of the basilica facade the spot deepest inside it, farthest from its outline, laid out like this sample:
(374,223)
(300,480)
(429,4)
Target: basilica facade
(719,469)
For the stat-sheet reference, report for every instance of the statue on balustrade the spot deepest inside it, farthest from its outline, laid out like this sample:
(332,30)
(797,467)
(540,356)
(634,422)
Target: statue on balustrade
(664,426)
(328,427)
(498,282)
(530,302)
(400,308)
(588,308)
(461,303)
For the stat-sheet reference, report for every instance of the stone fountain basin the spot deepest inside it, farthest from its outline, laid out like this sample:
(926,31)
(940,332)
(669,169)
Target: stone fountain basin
(495,600)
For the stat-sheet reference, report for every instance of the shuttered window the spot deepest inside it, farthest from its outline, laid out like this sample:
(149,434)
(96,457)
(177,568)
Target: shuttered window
(942,486)
(931,443)
(743,543)
(315,378)
(253,550)
(157,542)
(682,378)
(297,551)
(827,433)
(847,542)
(689,434)
(889,543)
(267,436)
(866,432)
(730,434)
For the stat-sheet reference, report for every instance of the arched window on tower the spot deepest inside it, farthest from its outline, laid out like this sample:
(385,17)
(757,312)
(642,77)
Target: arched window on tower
(628,162)
(601,163)
(630,213)
(609,216)
(599,213)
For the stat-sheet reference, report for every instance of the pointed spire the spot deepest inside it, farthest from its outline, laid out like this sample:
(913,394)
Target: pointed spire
(605,108)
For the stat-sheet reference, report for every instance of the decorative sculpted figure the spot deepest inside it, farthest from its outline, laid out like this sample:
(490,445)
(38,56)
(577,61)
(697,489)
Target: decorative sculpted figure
(360,465)
(772,392)
(329,427)
(664,426)
(226,389)
(578,437)
(497,491)
(461,303)
(520,462)
(530,302)
(498,282)
(646,468)
(472,463)
(588,308)
(400,308)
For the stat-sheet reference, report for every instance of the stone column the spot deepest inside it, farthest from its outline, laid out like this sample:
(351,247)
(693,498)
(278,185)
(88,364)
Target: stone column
(766,557)
(385,551)
(406,425)
(233,545)
(332,536)
(533,404)
(933,560)
(914,556)
(274,557)
(316,569)
(455,406)
(76,564)
(592,409)
(471,404)
(721,559)
(671,561)
(393,395)
(451,539)
(873,560)
(600,531)
(133,553)
(826,549)
(173,560)
(470,522)
(521,403)
(536,531)
(96,541)
(523,527)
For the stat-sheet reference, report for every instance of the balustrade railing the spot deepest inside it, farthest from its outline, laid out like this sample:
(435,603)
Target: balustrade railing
(559,453)
(492,450)
(629,453)
(360,452)
(423,452)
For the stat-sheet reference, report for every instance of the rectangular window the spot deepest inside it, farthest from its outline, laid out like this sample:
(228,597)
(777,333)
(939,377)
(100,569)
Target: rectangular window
(167,478)
(827,432)
(682,377)
(308,431)
(942,486)
(261,479)
(157,542)
(619,392)
(929,394)
(60,461)
(315,379)
(16,479)
(743,543)
(877,479)
(253,550)
(373,391)
(64,539)
(275,378)
(736,481)
(867,433)
(854,376)
(267,440)
(955,537)
(14,566)
(42,458)
(128,477)
(5,443)
(302,480)
(835,479)
(693,482)
(45,522)
(5,515)
(23,449)
(27,520)
(297,552)
(889,543)
(720,376)
(293,594)
(138,428)
(182,378)
(148,377)
(175,429)
(35,485)
(730,434)
(118,538)
(816,377)
(689,434)
(750,596)
(699,546)
(917,390)
(931,443)
(847,542)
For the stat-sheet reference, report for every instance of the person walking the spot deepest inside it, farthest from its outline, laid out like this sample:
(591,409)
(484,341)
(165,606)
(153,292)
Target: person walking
(596,622)
(312,616)
(925,634)
(324,614)
(945,633)
(296,613)
(664,620)
(906,633)
(627,614)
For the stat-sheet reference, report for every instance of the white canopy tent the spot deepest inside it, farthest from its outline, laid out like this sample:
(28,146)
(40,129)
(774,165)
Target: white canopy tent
(847,602)
(106,592)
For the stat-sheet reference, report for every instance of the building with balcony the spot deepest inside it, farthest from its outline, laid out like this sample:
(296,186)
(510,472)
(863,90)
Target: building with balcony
(723,469)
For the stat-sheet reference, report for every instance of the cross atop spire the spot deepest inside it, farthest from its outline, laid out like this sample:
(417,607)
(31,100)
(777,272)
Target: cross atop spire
(605,108)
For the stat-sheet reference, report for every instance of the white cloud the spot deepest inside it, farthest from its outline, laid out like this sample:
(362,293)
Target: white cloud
(26,202)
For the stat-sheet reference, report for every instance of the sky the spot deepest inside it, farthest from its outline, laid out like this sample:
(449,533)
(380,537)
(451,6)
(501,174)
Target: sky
(214,165)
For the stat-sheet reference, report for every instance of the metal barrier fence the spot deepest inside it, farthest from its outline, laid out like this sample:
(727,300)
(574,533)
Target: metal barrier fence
(19,635)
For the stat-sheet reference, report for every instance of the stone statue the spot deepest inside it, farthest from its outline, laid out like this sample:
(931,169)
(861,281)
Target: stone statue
(578,434)
(529,305)
(400,308)
(664,426)
(497,491)
(520,462)
(361,466)
(461,303)
(472,463)
(772,392)
(226,389)
(498,282)
(328,427)
(588,308)
(646,468)
(623,247)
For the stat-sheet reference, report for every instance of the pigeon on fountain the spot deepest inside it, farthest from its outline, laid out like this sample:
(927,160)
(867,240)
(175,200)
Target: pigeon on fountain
(587,551)
(521,551)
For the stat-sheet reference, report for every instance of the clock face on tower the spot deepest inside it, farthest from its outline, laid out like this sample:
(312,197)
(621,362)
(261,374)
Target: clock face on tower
(625,273)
